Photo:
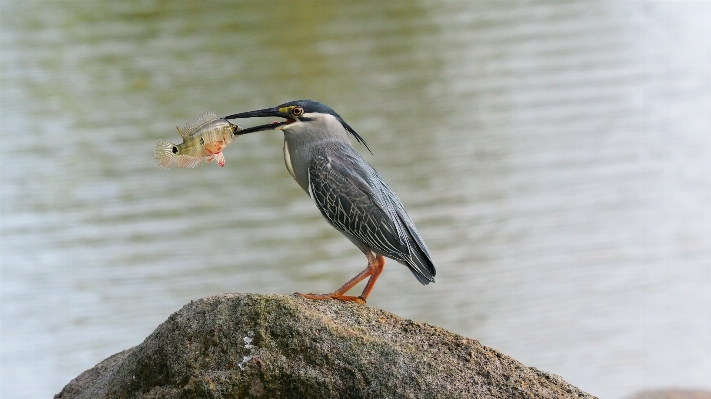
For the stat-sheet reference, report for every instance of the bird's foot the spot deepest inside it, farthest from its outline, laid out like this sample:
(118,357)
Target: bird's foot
(350,298)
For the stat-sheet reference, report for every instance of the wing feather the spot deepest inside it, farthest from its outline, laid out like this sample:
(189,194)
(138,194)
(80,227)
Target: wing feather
(353,197)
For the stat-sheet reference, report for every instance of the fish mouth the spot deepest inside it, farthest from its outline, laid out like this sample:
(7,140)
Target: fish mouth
(263,113)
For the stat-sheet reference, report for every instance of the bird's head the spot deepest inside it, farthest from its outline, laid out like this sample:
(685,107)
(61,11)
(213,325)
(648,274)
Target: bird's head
(299,111)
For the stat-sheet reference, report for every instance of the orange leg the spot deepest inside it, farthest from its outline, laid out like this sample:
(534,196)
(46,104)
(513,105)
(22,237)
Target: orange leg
(376,263)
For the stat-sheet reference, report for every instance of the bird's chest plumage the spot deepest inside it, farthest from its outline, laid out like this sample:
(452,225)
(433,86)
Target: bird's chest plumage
(287,160)
(304,141)
(296,159)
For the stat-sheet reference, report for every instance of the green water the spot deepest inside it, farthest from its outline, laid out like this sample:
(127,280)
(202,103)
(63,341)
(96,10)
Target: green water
(554,156)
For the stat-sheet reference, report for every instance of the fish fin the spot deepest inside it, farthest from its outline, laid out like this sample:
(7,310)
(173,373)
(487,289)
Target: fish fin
(186,161)
(165,153)
(190,127)
(220,159)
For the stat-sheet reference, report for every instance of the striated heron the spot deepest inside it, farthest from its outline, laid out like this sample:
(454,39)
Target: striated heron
(350,194)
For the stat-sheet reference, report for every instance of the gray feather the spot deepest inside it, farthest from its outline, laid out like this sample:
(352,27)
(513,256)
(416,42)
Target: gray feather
(357,201)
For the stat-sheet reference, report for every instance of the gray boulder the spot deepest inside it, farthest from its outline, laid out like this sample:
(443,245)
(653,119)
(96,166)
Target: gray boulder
(273,346)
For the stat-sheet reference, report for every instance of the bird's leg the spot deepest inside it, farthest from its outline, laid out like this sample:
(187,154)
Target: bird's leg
(375,267)
(373,277)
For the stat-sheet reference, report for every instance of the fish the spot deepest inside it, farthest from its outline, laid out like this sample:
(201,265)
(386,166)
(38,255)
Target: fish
(204,138)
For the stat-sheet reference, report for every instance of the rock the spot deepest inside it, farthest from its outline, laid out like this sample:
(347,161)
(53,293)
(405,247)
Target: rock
(271,346)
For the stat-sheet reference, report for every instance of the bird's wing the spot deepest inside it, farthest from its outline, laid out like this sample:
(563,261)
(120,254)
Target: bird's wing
(353,197)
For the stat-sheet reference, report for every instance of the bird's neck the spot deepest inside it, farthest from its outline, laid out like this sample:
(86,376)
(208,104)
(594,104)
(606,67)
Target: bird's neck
(302,141)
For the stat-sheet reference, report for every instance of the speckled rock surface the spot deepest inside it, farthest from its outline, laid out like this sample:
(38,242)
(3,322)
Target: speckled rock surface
(272,346)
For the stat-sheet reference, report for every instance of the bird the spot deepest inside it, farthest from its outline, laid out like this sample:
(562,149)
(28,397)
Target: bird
(347,190)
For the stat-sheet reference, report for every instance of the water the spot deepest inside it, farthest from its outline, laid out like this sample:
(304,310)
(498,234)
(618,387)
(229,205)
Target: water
(554,156)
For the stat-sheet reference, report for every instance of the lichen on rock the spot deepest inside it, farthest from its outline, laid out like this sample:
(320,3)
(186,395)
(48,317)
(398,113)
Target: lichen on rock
(272,346)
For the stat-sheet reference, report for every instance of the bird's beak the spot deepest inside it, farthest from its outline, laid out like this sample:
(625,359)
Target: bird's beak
(263,113)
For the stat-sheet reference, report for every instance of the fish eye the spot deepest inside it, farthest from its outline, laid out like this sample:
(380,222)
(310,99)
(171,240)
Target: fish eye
(175,150)
(297,111)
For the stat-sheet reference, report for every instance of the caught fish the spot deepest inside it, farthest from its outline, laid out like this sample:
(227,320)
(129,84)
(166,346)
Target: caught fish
(203,139)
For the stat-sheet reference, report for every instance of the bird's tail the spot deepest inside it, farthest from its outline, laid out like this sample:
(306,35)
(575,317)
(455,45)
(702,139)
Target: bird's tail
(420,264)
(166,153)
(418,258)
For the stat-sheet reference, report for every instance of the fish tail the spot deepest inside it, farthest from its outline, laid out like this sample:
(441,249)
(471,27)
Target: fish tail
(166,153)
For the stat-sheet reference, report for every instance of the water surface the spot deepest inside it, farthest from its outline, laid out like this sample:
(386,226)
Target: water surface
(555,157)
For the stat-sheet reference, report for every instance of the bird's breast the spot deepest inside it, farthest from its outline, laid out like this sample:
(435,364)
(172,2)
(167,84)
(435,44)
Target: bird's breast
(287,160)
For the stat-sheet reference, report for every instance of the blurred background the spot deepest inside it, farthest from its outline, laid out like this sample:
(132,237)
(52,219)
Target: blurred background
(554,155)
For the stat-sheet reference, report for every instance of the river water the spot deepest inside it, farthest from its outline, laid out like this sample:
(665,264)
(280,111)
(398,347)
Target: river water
(555,157)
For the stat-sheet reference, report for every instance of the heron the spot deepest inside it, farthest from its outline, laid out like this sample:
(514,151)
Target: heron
(348,191)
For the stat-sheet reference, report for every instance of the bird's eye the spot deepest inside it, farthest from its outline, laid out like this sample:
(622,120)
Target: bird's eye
(175,150)
(297,111)
(202,140)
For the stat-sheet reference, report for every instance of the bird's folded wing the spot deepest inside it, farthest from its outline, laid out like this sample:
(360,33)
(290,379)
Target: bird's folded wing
(357,201)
